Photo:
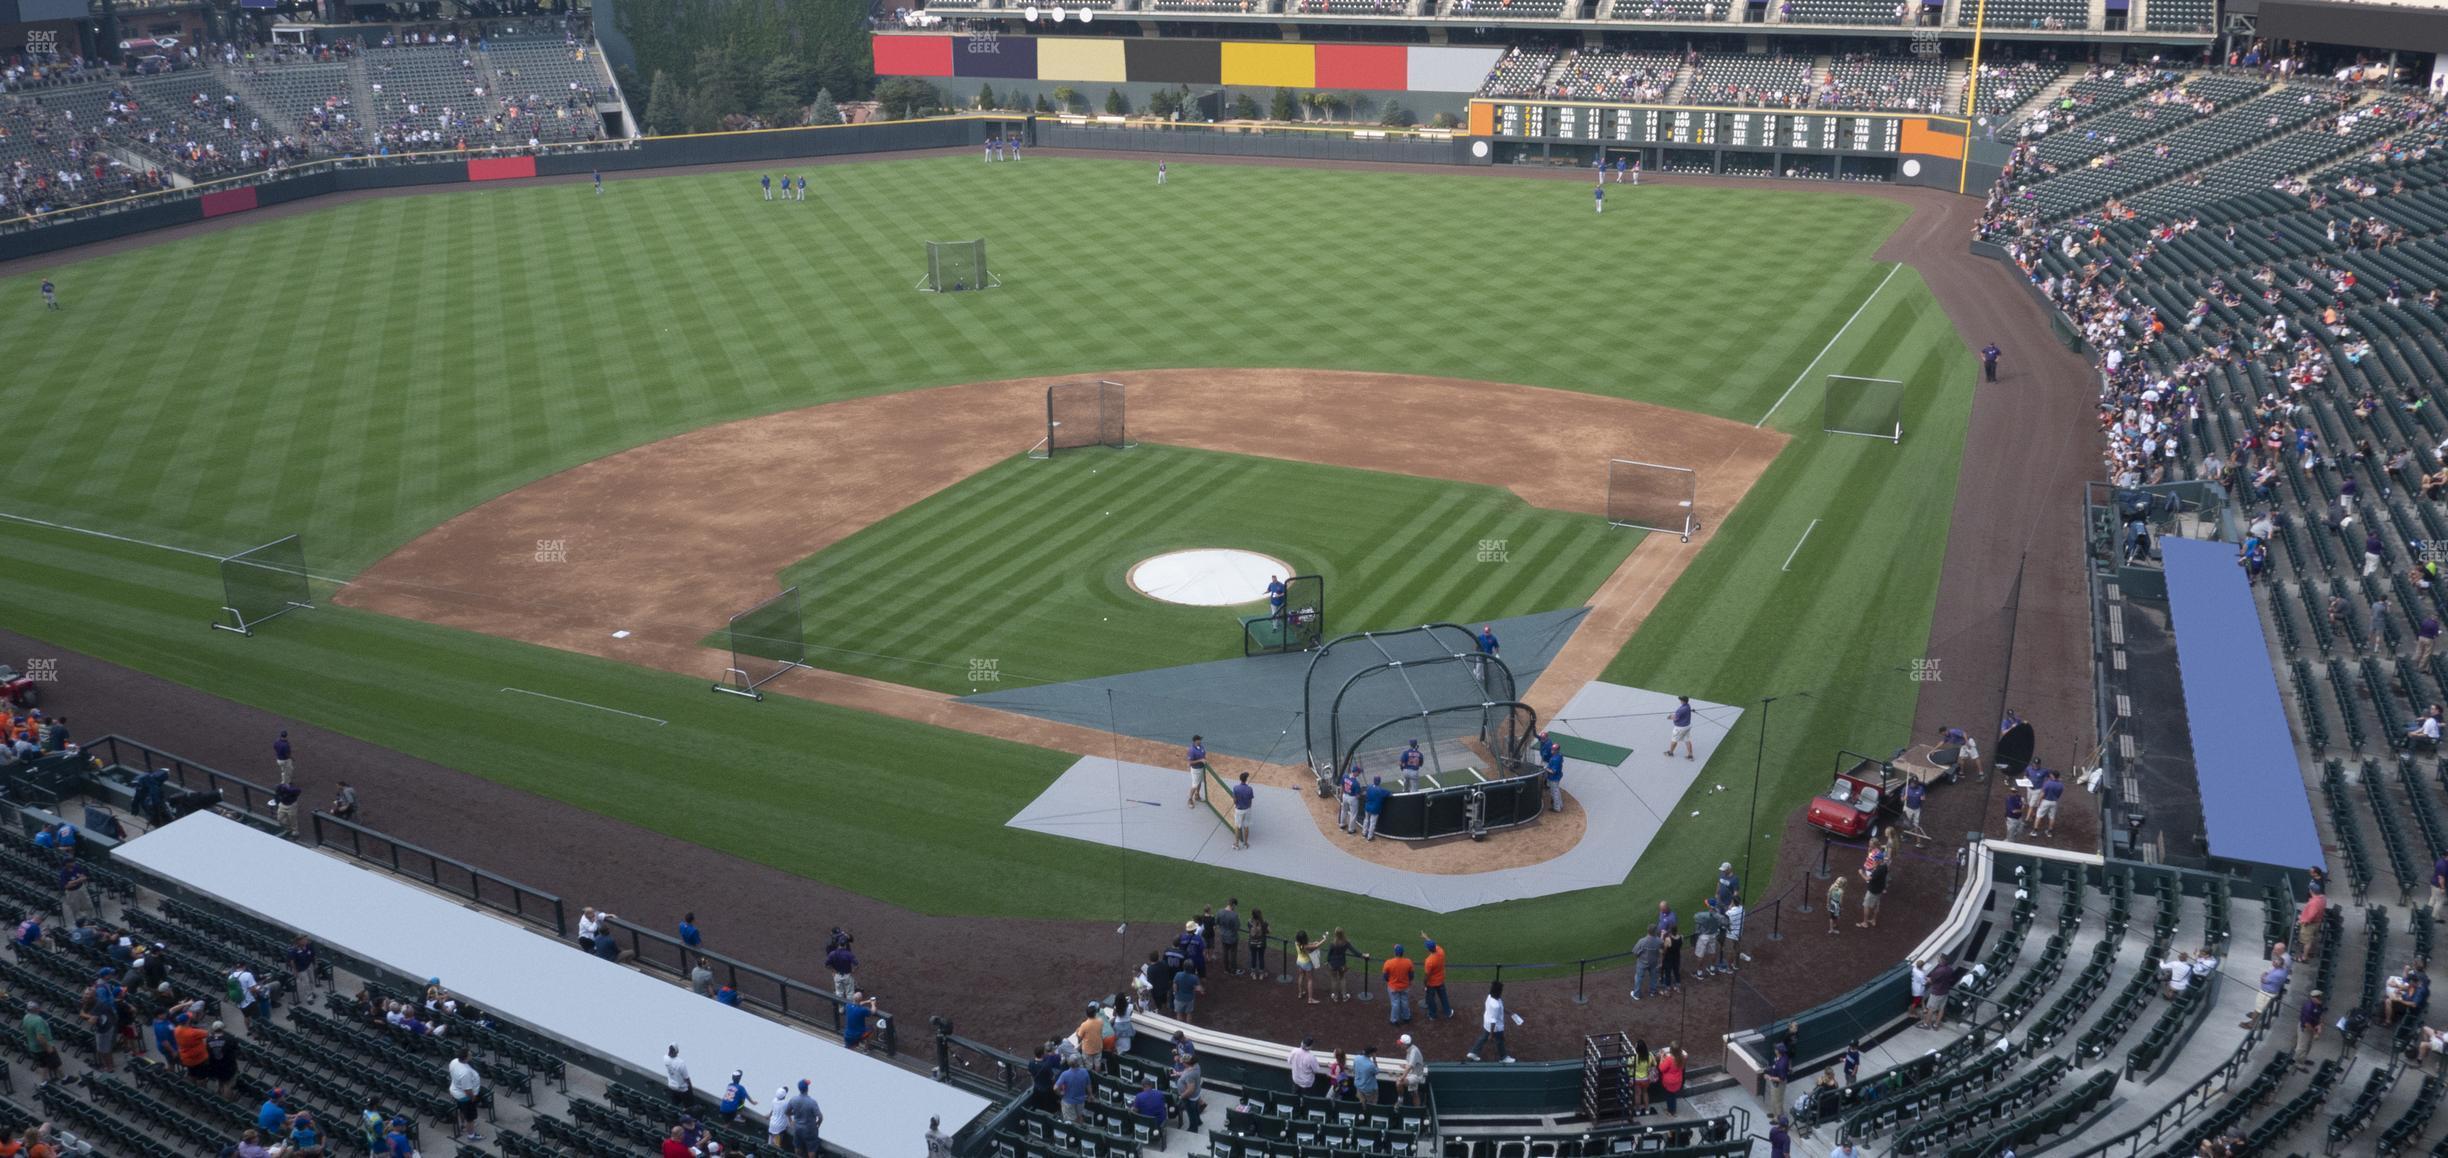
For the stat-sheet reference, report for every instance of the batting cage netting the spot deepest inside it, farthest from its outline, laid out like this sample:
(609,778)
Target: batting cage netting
(1869,407)
(264,582)
(1369,695)
(1653,497)
(1084,414)
(954,266)
(1301,625)
(766,641)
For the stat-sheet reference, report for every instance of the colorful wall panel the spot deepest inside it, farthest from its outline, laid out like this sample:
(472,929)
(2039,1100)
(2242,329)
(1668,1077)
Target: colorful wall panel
(1450,69)
(1196,62)
(1247,64)
(913,56)
(1069,58)
(1258,65)
(1935,139)
(1013,57)
(1368,67)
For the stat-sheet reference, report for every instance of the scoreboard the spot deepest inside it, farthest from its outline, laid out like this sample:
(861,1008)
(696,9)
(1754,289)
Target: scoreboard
(1779,130)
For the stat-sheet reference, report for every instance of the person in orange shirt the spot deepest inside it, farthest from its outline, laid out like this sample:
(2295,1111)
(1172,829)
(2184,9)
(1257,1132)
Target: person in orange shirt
(1432,977)
(193,1051)
(1397,970)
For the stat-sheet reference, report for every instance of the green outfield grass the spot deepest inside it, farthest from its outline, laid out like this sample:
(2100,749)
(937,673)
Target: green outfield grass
(364,372)
(1026,564)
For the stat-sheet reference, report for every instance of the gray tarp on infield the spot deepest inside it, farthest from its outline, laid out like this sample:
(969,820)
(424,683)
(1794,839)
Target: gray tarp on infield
(1244,707)
(1140,807)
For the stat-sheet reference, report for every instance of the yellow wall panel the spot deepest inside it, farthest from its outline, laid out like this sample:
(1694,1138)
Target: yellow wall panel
(1259,64)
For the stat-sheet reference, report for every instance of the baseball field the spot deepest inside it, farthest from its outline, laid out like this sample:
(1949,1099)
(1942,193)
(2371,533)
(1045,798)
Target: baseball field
(365,374)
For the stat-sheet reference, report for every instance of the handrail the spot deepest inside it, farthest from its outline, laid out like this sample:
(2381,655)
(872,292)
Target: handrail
(251,798)
(2197,1096)
(530,905)
(774,992)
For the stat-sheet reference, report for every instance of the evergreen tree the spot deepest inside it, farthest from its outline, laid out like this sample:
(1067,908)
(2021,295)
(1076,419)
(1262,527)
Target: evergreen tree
(1284,107)
(664,103)
(1115,105)
(986,97)
(824,111)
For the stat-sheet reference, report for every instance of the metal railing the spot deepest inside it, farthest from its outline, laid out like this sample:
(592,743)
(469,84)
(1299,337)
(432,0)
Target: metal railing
(236,791)
(2212,1088)
(791,1000)
(532,906)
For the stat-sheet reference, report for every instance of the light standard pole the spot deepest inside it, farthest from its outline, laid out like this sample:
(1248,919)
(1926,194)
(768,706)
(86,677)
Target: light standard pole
(1759,761)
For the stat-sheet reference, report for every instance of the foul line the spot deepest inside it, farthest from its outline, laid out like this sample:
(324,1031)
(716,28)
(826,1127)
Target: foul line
(1789,555)
(658,722)
(133,541)
(1831,344)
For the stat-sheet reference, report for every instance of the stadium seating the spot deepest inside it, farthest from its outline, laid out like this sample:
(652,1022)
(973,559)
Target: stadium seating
(553,82)
(2039,14)
(1877,12)
(1873,82)
(2180,15)
(1777,81)
(1522,73)
(2005,89)
(1509,9)
(314,99)
(1615,76)
(1656,10)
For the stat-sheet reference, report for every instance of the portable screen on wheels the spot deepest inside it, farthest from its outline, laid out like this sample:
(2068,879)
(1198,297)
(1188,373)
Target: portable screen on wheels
(1652,497)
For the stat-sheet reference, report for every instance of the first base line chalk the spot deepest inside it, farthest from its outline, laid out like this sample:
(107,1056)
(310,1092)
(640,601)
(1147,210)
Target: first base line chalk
(655,720)
(1789,555)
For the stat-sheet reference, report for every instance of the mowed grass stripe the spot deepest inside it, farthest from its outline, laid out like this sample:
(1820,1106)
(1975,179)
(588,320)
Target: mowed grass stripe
(1023,565)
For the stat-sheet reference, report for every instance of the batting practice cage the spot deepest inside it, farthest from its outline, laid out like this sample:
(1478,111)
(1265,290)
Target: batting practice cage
(1084,414)
(953,266)
(1870,407)
(262,583)
(1301,626)
(1653,497)
(766,641)
(1369,697)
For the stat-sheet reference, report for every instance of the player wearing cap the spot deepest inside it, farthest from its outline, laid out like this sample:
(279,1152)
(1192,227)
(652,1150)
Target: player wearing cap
(1681,719)
(1412,760)
(1196,757)
(1432,980)
(735,1098)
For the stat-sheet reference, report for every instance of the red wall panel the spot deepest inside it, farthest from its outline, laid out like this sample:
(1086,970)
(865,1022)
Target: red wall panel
(229,201)
(500,168)
(1385,67)
(913,55)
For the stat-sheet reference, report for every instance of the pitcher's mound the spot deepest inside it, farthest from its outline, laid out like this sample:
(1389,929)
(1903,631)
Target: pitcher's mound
(1207,576)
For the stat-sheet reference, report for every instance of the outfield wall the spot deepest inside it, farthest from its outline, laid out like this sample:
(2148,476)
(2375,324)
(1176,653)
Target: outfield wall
(140,214)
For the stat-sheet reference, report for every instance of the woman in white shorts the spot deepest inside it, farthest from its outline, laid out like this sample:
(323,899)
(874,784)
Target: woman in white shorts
(1305,957)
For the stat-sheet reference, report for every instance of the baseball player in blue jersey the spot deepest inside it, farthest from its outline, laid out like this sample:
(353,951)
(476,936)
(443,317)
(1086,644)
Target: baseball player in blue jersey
(1412,760)
(50,295)
(1555,779)
(803,188)
(1619,169)
(1347,810)
(1601,192)
(599,182)
(1197,759)
(1487,631)
(1275,596)
(1681,720)
(765,180)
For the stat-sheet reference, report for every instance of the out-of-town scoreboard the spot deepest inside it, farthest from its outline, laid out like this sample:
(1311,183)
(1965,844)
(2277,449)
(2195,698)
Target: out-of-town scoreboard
(1770,130)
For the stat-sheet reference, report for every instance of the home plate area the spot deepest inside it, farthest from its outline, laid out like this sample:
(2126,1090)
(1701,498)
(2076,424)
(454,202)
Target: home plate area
(1614,740)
